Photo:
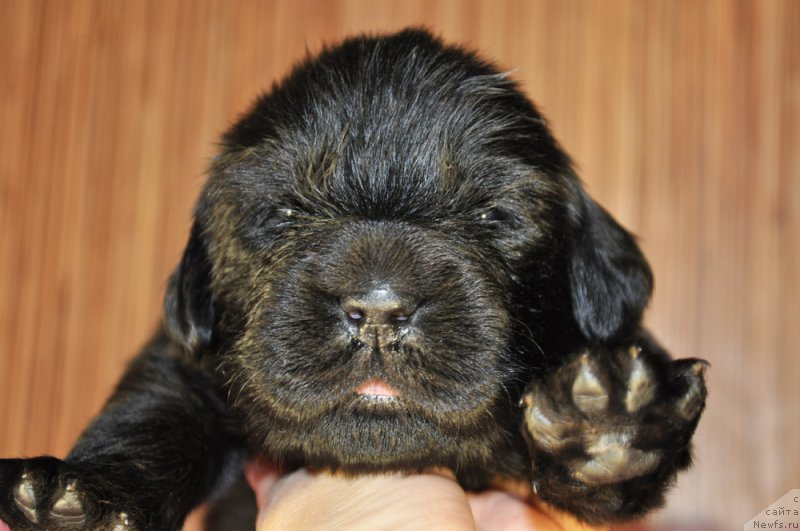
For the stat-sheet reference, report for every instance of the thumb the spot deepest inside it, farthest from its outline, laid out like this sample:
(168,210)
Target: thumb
(261,475)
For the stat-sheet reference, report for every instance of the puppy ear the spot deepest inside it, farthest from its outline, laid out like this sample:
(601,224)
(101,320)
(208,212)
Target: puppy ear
(610,279)
(188,304)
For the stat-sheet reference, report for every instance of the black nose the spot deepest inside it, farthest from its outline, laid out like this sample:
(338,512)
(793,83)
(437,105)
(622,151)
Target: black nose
(379,306)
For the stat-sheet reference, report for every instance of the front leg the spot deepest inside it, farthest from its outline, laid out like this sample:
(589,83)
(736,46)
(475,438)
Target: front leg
(155,451)
(609,429)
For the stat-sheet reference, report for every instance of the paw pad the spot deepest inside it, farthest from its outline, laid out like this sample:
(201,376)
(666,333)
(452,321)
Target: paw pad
(611,416)
(613,457)
(589,390)
(44,497)
(691,403)
(68,508)
(641,383)
(25,498)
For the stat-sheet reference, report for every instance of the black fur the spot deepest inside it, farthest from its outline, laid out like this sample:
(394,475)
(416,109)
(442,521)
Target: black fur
(395,211)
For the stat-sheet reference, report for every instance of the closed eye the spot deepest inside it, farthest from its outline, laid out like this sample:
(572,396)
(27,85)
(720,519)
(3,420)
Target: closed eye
(266,221)
(276,217)
(499,217)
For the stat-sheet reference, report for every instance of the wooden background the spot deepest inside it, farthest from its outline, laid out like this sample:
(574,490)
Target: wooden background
(684,117)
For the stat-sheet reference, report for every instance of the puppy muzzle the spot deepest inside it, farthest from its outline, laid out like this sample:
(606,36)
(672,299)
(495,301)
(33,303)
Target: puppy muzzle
(378,315)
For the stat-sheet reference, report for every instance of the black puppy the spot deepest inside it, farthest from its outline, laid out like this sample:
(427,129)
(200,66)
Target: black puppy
(392,267)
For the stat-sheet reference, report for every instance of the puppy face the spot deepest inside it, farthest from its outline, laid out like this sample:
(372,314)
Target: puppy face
(389,247)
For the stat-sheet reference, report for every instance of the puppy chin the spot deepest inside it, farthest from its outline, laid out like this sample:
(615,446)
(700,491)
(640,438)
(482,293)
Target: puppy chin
(377,429)
(373,435)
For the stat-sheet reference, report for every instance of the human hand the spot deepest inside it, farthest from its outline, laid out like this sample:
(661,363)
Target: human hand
(434,501)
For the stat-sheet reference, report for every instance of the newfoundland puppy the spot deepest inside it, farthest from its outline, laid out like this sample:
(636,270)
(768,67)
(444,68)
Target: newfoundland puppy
(393,266)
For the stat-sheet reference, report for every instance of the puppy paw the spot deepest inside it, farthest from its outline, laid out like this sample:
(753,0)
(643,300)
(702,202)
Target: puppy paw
(44,493)
(605,418)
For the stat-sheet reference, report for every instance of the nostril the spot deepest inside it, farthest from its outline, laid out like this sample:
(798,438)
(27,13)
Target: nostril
(403,313)
(379,306)
(351,307)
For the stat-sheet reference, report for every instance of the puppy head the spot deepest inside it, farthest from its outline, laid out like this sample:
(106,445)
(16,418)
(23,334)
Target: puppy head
(388,247)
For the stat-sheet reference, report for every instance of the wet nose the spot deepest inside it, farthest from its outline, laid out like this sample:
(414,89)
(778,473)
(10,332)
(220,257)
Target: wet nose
(379,306)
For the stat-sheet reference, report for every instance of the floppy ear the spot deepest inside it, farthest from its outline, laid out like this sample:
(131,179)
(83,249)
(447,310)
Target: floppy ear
(609,277)
(188,304)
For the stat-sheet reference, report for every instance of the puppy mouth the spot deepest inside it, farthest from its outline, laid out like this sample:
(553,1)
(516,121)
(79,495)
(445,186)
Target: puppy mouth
(377,389)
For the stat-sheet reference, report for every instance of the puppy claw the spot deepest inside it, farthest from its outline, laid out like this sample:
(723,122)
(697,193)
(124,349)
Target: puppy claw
(123,523)
(699,367)
(526,400)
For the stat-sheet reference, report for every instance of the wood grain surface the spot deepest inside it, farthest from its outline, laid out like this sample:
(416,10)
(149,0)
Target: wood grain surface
(683,116)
